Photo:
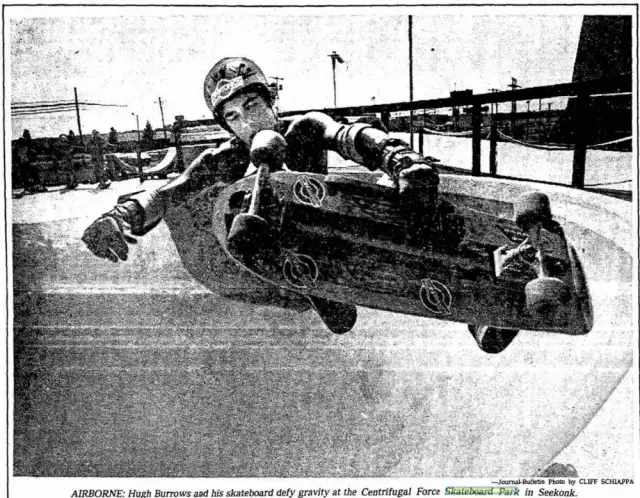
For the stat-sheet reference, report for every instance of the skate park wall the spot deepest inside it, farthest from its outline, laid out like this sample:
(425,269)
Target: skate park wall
(141,361)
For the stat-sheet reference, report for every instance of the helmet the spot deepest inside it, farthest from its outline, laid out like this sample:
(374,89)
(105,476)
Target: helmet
(230,76)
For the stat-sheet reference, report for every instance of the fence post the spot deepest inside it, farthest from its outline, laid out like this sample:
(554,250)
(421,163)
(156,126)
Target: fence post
(421,141)
(493,148)
(582,131)
(476,124)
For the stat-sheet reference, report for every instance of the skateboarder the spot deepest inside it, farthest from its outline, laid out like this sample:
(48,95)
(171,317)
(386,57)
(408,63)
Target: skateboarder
(177,129)
(29,173)
(96,146)
(236,91)
(64,152)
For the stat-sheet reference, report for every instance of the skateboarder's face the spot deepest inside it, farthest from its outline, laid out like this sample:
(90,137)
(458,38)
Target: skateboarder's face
(247,114)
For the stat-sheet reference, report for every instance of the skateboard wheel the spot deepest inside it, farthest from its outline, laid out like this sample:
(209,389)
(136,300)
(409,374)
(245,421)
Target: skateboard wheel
(530,208)
(248,233)
(268,148)
(492,340)
(545,295)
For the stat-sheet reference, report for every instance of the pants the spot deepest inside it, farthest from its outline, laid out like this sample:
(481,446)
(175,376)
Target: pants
(99,170)
(70,173)
(30,175)
(180,159)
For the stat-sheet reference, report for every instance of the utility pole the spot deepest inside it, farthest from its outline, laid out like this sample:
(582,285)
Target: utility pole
(278,85)
(411,79)
(138,156)
(335,57)
(137,127)
(75,91)
(513,86)
(162,114)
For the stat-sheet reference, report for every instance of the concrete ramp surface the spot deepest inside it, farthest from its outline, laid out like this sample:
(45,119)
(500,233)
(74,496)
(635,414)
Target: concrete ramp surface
(164,165)
(139,369)
(117,162)
(127,162)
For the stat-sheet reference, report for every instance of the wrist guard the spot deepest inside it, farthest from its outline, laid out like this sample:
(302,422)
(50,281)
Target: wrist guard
(129,212)
(393,155)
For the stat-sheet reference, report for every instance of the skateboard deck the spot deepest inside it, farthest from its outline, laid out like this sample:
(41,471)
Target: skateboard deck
(348,239)
(394,386)
(100,188)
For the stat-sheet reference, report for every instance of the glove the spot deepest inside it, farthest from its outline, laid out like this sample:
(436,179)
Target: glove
(105,237)
(307,138)
(416,177)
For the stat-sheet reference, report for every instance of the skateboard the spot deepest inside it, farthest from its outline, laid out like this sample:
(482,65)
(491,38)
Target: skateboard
(347,239)
(38,189)
(101,187)
(69,188)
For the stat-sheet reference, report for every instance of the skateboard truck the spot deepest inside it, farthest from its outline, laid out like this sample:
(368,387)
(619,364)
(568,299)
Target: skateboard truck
(516,259)
(546,293)
(250,230)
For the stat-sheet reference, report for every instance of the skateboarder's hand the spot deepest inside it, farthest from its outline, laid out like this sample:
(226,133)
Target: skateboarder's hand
(412,172)
(306,136)
(417,185)
(105,238)
(418,177)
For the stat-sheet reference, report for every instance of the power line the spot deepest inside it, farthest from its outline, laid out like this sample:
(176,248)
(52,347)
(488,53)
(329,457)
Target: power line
(46,106)
(45,111)
(35,107)
(43,102)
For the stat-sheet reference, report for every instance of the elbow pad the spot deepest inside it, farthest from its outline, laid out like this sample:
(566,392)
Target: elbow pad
(345,142)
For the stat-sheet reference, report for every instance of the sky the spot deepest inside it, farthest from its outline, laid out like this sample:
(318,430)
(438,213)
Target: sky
(132,56)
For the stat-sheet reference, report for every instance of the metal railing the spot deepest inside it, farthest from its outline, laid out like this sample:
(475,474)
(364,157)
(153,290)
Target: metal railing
(581,91)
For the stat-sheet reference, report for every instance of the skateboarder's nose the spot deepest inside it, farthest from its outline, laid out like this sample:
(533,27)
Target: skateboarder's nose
(246,120)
